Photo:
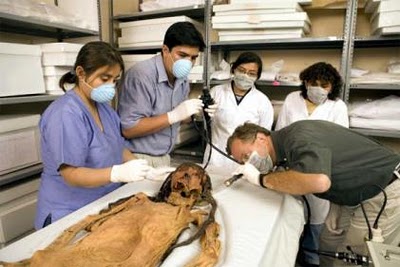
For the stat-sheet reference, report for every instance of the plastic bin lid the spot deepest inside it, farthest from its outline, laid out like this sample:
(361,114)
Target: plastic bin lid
(20,49)
(60,47)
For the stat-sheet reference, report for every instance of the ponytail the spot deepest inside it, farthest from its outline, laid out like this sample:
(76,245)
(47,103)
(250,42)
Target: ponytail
(69,77)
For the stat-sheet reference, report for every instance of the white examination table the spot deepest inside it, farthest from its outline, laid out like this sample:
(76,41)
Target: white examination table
(259,227)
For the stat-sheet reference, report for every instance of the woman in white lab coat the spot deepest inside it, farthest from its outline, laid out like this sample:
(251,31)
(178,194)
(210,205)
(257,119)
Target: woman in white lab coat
(238,101)
(318,99)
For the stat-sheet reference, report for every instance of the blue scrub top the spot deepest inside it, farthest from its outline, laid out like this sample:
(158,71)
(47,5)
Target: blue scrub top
(69,135)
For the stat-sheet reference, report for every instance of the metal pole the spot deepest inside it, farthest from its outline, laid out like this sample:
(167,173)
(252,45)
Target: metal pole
(111,23)
(99,21)
(348,46)
(207,51)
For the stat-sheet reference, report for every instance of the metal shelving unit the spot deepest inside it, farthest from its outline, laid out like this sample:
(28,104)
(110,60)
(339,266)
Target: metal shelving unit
(377,41)
(35,27)
(345,43)
(375,86)
(11,23)
(347,60)
(195,12)
(280,44)
(31,26)
(20,174)
(27,99)
(140,50)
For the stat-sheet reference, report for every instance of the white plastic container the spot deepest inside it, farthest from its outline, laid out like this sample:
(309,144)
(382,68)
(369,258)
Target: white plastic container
(19,142)
(150,31)
(17,210)
(52,75)
(130,60)
(60,54)
(20,68)
(386,19)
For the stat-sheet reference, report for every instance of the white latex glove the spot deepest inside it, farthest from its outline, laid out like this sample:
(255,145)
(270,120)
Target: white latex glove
(250,173)
(331,221)
(130,171)
(159,174)
(211,109)
(184,110)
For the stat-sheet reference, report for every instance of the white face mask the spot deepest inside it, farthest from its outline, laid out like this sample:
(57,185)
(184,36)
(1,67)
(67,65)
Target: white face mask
(263,165)
(243,81)
(317,94)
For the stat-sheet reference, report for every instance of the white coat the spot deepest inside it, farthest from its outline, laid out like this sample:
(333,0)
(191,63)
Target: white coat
(295,109)
(255,107)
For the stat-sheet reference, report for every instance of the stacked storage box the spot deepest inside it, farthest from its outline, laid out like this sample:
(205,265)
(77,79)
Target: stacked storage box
(260,21)
(130,60)
(21,72)
(19,142)
(58,59)
(50,13)
(385,16)
(150,5)
(17,210)
(149,32)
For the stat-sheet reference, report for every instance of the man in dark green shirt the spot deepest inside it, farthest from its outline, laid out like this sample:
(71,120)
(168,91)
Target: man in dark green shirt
(332,162)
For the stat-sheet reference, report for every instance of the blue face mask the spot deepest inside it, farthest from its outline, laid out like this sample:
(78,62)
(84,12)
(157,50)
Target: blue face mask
(181,67)
(104,93)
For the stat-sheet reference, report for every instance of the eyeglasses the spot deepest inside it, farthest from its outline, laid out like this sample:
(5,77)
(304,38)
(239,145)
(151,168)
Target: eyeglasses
(250,73)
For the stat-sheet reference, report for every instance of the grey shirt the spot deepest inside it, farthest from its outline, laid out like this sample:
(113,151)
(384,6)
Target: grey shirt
(351,160)
(145,93)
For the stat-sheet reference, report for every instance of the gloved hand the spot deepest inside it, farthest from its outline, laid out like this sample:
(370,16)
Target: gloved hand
(159,174)
(332,220)
(250,173)
(211,110)
(130,171)
(184,110)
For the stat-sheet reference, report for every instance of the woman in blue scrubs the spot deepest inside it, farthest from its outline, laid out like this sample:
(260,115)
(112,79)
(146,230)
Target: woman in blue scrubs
(82,148)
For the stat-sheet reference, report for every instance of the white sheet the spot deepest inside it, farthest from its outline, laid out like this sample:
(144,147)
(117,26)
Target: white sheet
(386,108)
(377,124)
(258,227)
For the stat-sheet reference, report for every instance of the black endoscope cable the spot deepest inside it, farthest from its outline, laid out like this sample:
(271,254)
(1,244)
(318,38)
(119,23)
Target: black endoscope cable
(207,137)
(352,257)
(375,226)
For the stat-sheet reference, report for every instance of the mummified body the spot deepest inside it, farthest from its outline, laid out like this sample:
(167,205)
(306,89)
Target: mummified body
(140,230)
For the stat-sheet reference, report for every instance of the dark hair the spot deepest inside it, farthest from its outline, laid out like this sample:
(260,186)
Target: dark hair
(323,72)
(183,33)
(248,57)
(246,132)
(91,57)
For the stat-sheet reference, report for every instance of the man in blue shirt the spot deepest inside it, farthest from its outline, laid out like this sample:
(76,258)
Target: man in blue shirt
(154,98)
